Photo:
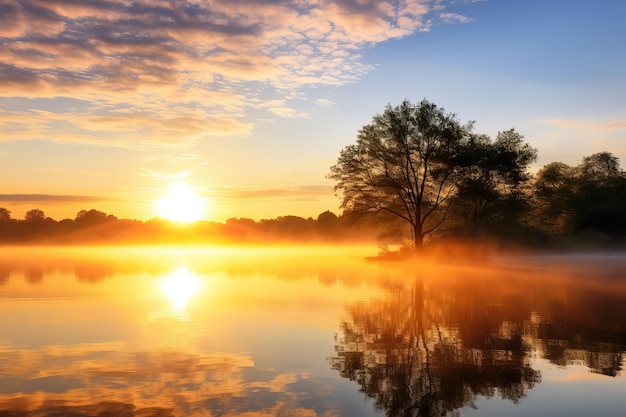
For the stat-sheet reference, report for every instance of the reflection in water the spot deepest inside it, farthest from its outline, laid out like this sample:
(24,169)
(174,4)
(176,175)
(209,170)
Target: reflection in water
(436,340)
(110,379)
(33,276)
(434,346)
(403,355)
(180,286)
(86,341)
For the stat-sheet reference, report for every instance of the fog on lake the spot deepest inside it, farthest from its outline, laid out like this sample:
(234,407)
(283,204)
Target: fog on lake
(308,331)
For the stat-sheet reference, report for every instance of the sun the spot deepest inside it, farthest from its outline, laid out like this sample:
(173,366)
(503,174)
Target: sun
(181,204)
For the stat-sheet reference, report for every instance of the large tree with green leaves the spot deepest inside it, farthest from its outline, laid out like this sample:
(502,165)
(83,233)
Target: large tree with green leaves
(403,166)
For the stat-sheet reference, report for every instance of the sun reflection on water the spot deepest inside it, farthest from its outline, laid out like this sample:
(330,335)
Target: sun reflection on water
(180,286)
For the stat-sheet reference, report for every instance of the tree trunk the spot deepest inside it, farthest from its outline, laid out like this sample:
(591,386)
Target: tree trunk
(418,238)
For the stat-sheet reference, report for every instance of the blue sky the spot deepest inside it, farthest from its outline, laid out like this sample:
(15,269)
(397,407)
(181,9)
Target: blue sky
(106,103)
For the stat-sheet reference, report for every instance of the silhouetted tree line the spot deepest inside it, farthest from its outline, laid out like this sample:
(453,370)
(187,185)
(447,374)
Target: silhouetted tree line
(560,206)
(413,165)
(580,206)
(419,170)
(93,226)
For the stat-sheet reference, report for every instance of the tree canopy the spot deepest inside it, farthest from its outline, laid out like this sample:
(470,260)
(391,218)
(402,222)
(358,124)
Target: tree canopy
(491,181)
(587,198)
(416,162)
(402,166)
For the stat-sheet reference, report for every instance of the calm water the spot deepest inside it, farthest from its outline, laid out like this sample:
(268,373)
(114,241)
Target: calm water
(299,333)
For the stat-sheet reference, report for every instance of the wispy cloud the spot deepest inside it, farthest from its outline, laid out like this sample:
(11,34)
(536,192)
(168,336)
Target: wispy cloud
(324,102)
(171,71)
(48,198)
(590,125)
(453,18)
(567,139)
(469,1)
(298,193)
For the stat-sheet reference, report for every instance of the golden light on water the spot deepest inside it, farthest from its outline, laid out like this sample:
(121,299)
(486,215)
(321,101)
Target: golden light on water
(181,204)
(180,286)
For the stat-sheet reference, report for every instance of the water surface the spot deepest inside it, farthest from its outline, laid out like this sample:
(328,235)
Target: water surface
(307,332)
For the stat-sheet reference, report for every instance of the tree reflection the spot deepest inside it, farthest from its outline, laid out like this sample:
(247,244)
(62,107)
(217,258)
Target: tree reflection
(433,346)
(591,333)
(33,276)
(5,273)
(405,354)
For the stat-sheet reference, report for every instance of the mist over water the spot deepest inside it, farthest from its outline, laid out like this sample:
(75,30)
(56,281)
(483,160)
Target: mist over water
(308,331)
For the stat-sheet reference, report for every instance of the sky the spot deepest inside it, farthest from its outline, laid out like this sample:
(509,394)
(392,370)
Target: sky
(105,104)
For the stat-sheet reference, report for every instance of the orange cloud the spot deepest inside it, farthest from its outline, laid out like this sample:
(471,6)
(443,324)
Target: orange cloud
(186,68)
(592,125)
(41,198)
(301,192)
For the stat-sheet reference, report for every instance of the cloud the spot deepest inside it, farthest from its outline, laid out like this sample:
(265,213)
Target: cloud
(171,71)
(567,140)
(146,127)
(48,198)
(324,102)
(590,125)
(453,18)
(298,193)
(286,112)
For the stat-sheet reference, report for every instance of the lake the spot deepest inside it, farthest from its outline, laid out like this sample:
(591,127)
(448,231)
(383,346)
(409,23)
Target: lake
(305,332)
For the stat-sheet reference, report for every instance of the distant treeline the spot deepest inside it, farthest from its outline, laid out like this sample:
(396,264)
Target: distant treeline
(562,206)
(93,226)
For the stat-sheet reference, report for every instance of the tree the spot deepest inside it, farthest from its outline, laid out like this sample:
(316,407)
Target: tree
(328,225)
(588,197)
(601,166)
(35,216)
(92,217)
(402,167)
(6,226)
(601,195)
(5,215)
(492,179)
(553,190)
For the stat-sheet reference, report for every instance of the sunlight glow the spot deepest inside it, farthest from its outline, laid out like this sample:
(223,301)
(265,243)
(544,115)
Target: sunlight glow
(181,204)
(180,286)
